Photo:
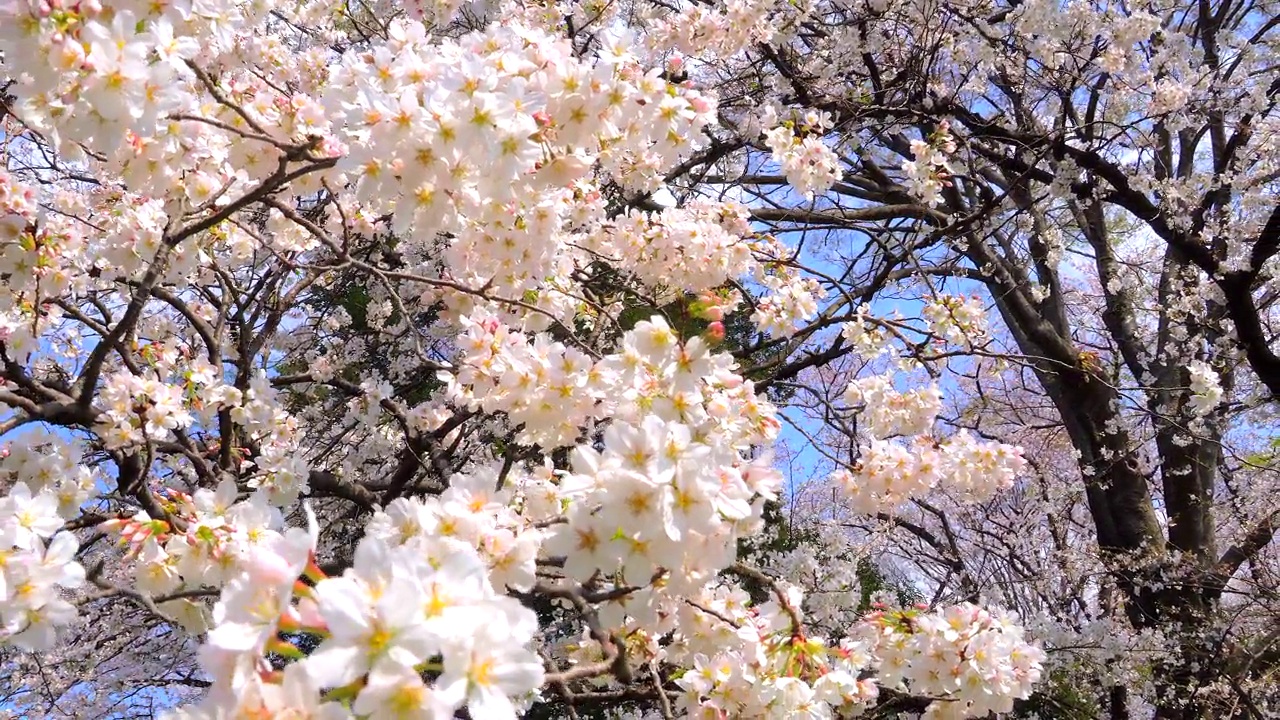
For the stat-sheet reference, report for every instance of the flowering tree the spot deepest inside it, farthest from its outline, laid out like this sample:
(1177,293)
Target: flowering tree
(410,360)
(344,323)
(1104,173)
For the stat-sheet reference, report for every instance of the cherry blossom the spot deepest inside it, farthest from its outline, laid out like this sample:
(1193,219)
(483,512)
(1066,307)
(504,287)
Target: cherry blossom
(738,358)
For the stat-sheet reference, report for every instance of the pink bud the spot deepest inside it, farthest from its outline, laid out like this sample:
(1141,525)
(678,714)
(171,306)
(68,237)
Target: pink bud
(715,332)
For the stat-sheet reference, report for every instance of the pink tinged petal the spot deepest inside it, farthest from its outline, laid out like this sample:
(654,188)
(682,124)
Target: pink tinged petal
(371,558)
(666,504)
(308,614)
(59,612)
(38,636)
(522,623)
(487,704)
(344,605)
(62,549)
(451,689)
(239,637)
(520,677)
(401,655)
(334,665)
(399,607)
(225,496)
(270,568)
(416,643)
(332,711)
(313,526)
(298,689)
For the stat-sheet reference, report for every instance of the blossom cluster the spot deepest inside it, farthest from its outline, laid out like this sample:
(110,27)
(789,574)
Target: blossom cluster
(278,470)
(38,255)
(137,409)
(695,248)
(903,461)
(408,599)
(52,464)
(671,486)
(17,207)
(496,524)
(957,320)
(974,660)
(789,299)
(472,192)
(97,73)
(887,412)
(220,536)
(490,139)
(422,605)
(809,165)
(36,559)
(864,333)
(542,385)
(702,30)
(889,473)
(928,169)
(827,568)
(970,661)
(1206,388)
